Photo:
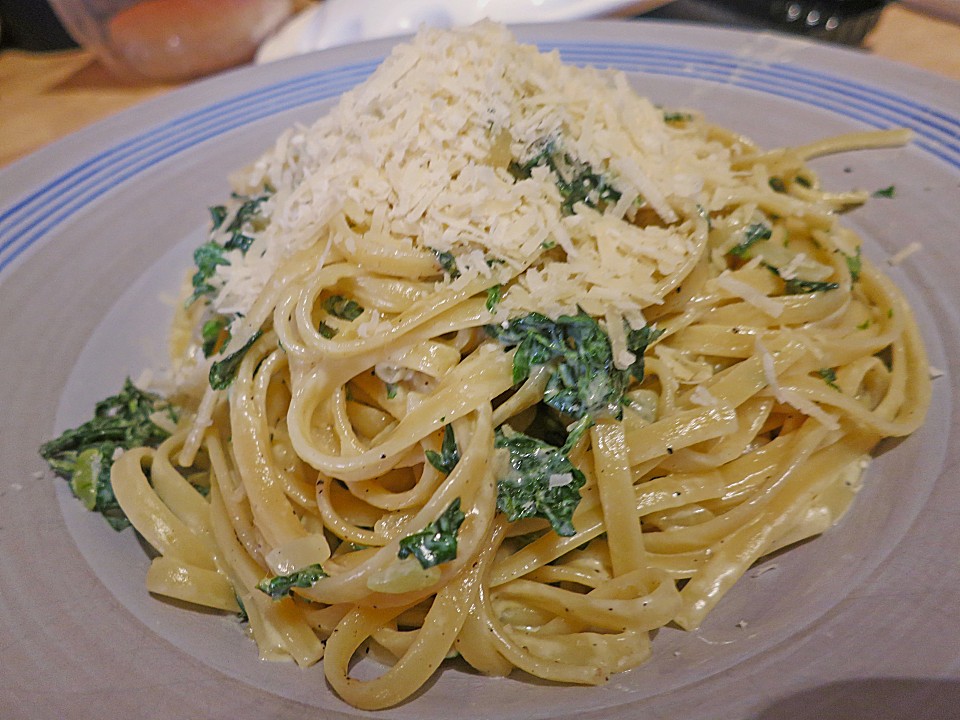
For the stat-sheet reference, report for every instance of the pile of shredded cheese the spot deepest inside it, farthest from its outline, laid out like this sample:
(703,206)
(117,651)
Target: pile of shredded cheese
(416,159)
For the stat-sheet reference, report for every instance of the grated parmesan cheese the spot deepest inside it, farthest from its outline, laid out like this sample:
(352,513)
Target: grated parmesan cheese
(703,397)
(370,327)
(685,368)
(790,397)
(560,480)
(418,155)
(789,272)
(622,357)
(749,294)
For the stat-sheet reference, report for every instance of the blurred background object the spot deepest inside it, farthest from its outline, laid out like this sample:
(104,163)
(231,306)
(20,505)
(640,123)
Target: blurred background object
(170,40)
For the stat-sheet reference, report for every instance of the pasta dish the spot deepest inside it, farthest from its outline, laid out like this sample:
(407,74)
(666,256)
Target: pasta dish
(500,360)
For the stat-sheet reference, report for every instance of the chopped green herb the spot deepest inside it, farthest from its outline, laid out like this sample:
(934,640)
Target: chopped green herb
(887,192)
(576,431)
(239,241)
(437,542)
(326,331)
(576,180)
(802,181)
(797,286)
(854,264)
(86,477)
(211,254)
(281,585)
(218,213)
(777,185)
(705,214)
(829,376)
(637,343)
(247,214)
(864,325)
(544,150)
(449,454)
(343,308)
(752,235)
(84,455)
(493,297)
(242,615)
(548,244)
(215,334)
(584,380)
(391,391)
(206,258)
(223,372)
(542,482)
(537,339)
(448,263)
(676,117)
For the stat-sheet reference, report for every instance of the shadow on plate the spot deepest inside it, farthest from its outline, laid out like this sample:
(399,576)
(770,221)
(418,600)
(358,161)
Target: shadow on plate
(871,699)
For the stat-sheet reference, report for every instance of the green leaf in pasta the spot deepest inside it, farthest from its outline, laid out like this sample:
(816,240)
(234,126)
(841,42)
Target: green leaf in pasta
(577,181)
(751,236)
(208,256)
(542,482)
(326,331)
(854,264)
(448,263)
(280,586)
(672,117)
(798,286)
(247,218)
(437,542)
(637,342)
(84,455)
(829,376)
(224,371)
(215,334)
(584,380)
(343,308)
(448,457)
(493,297)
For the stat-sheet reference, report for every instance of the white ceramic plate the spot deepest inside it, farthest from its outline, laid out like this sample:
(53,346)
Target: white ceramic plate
(96,230)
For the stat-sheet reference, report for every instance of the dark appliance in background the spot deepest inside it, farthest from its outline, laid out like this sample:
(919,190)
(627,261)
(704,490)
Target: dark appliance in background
(841,21)
(31,25)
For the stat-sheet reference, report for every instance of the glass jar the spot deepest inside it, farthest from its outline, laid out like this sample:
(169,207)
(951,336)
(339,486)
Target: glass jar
(171,40)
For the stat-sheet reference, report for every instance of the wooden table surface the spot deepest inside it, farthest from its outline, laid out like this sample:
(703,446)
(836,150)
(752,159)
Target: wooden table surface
(49,95)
